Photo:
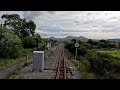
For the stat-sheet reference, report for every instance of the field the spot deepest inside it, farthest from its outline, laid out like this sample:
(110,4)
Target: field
(115,53)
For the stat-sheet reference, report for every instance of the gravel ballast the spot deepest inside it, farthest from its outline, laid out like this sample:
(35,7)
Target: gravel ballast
(50,67)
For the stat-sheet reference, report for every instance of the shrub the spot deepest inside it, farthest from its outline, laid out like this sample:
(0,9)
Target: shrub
(41,47)
(104,65)
(82,50)
(10,44)
(29,42)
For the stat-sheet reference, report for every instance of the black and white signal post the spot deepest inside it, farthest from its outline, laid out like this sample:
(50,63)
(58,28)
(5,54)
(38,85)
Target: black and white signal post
(76,45)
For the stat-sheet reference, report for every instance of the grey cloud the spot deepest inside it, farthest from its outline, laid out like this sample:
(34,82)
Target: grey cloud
(54,22)
(108,26)
(51,12)
(114,29)
(32,14)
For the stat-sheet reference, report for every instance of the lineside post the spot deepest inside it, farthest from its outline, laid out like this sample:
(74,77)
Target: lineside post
(76,45)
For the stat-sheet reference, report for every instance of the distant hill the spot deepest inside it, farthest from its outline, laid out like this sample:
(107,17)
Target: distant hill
(77,38)
(58,39)
(113,40)
(81,38)
(68,38)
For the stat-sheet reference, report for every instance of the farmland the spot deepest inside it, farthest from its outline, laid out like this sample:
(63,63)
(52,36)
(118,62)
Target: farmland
(115,53)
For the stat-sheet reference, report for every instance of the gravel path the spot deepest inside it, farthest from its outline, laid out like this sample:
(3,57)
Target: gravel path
(10,69)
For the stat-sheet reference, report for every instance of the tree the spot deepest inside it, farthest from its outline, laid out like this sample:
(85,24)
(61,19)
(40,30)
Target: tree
(10,44)
(31,25)
(101,44)
(11,20)
(80,42)
(119,45)
(20,26)
(38,38)
(73,41)
(90,41)
(82,50)
(104,41)
(29,42)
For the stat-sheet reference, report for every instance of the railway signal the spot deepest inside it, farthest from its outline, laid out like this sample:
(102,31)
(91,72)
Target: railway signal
(76,45)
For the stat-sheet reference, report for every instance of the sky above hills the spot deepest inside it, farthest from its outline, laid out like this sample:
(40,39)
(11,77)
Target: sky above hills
(90,24)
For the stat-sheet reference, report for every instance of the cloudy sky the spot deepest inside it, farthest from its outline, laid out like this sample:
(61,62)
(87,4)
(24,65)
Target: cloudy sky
(90,24)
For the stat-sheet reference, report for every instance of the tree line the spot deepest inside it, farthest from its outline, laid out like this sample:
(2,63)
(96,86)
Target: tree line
(16,34)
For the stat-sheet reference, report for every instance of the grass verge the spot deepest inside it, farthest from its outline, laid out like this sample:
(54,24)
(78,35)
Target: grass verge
(14,73)
(85,72)
(6,63)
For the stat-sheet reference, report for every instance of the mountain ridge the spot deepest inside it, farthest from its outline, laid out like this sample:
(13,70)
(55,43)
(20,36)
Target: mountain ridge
(82,38)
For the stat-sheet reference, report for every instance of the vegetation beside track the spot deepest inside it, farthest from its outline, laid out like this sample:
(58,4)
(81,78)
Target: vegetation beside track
(96,63)
(6,63)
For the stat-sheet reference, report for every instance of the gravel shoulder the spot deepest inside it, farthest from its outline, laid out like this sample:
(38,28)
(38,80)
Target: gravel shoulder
(11,69)
(49,72)
(70,63)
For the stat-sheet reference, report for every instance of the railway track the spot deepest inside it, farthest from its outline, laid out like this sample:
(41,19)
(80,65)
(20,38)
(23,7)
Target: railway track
(62,68)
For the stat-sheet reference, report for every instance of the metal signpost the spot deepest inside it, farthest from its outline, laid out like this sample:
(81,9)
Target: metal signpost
(76,45)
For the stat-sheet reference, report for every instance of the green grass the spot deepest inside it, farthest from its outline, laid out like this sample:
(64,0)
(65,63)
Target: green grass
(50,53)
(84,70)
(114,53)
(27,63)
(5,63)
(13,73)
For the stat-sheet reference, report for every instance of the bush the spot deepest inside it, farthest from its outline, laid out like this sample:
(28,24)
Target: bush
(88,46)
(82,51)
(70,47)
(10,44)
(104,65)
(41,47)
(29,42)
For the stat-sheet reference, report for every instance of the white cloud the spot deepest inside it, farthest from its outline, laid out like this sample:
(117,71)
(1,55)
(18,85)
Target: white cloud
(91,24)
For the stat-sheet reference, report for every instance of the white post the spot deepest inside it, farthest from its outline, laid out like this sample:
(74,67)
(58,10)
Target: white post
(45,51)
(76,45)
(76,53)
